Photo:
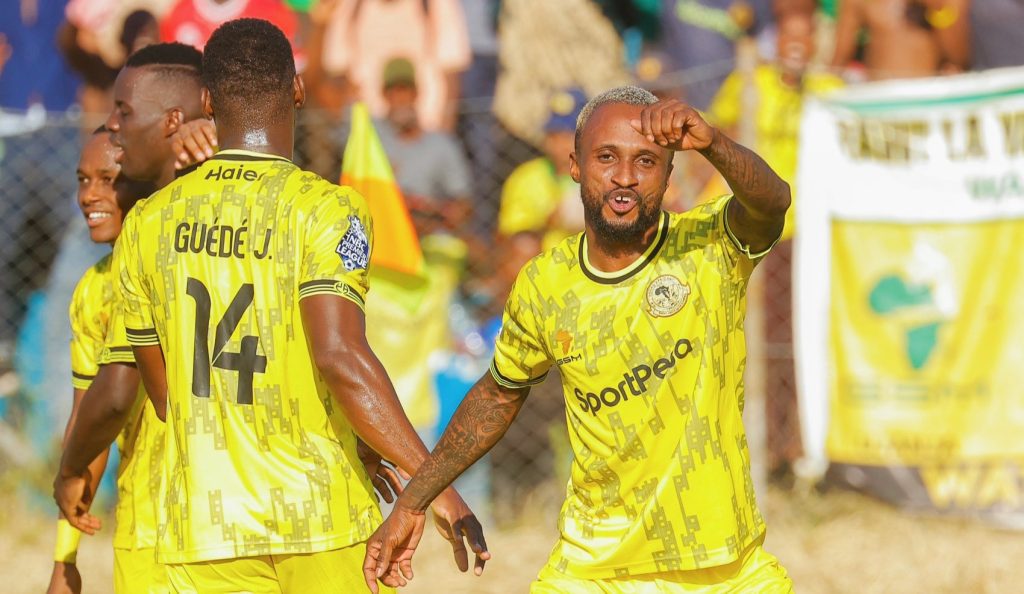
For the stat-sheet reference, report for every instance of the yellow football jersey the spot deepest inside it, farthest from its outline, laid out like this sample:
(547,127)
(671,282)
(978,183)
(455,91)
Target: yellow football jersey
(98,338)
(90,315)
(651,360)
(260,460)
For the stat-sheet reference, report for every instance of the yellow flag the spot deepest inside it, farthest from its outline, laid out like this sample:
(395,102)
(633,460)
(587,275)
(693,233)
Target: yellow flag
(366,169)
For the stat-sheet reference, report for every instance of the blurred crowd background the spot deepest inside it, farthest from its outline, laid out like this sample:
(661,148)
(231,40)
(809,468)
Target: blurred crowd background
(475,102)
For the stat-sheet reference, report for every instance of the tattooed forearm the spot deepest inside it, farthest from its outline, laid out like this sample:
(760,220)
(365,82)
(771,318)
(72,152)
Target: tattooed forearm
(760,190)
(483,417)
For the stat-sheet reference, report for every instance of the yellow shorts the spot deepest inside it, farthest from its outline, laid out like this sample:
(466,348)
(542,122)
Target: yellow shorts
(339,570)
(756,572)
(137,572)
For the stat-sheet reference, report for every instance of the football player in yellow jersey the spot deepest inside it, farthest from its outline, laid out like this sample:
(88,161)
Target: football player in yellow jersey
(642,313)
(113,406)
(104,196)
(242,283)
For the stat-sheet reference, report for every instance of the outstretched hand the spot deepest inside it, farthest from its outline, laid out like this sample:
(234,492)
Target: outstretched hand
(390,548)
(73,495)
(674,125)
(457,524)
(194,142)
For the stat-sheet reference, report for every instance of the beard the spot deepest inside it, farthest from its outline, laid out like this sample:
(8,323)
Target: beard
(621,233)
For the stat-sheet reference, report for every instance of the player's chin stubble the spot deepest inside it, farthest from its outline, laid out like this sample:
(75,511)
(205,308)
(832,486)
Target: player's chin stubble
(620,233)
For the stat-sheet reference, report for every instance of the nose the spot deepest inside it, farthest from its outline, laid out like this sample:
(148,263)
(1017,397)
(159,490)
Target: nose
(624,174)
(111,123)
(87,195)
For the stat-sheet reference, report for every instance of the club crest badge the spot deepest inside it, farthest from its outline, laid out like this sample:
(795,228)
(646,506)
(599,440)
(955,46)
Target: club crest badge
(666,295)
(354,248)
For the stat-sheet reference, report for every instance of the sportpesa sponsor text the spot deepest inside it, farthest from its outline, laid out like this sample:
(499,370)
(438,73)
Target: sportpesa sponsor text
(634,382)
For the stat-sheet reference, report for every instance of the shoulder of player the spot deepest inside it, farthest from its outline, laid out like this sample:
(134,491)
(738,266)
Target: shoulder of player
(316,192)
(97,273)
(92,282)
(549,267)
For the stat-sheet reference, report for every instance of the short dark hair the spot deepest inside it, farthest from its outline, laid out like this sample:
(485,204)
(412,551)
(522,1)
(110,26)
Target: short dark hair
(166,54)
(248,65)
(629,95)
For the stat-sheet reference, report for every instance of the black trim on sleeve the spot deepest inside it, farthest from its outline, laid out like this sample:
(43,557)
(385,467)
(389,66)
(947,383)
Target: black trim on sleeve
(330,287)
(146,337)
(511,383)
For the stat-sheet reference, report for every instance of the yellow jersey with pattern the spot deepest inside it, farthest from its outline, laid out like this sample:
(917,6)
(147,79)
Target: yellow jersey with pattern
(651,360)
(98,338)
(91,304)
(260,459)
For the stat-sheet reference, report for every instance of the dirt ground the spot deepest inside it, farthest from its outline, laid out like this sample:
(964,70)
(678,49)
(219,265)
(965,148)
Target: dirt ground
(835,543)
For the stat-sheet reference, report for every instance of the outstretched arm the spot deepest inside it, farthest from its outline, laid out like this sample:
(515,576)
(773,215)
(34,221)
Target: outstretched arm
(65,577)
(480,421)
(757,215)
(336,330)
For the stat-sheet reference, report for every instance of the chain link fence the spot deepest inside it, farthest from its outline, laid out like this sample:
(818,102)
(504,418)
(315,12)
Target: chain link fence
(46,248)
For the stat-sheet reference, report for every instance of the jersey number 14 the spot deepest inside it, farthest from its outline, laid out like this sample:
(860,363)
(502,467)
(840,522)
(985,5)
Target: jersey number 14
(246,361)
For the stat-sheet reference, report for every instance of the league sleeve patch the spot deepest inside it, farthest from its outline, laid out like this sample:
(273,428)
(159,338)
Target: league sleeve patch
(354,248)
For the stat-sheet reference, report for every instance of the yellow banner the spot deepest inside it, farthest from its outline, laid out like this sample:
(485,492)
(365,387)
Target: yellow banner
(926,339)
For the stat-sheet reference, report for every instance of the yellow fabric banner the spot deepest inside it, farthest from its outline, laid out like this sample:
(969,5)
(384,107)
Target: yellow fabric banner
(925,335)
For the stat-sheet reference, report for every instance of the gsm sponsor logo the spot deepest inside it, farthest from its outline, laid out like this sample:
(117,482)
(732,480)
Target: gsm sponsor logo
(634,382)
(570,359)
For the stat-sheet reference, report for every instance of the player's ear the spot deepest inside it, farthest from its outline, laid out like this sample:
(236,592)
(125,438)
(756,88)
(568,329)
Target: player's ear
(204,97)
(299,91)
(173,120)
(574,167)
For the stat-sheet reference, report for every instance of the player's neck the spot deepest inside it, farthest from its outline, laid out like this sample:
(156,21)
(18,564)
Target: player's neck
(167,174)
(608,255)
(273,140)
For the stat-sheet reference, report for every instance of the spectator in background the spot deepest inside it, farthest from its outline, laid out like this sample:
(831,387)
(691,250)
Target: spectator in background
(547,47)
(429,166)
(193,21)
(37,165)
(101,25)
(906,38)
(996,29)
(364,34)
(699,38)
(323,121)
(540,201)
(780,88)
(81,48)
